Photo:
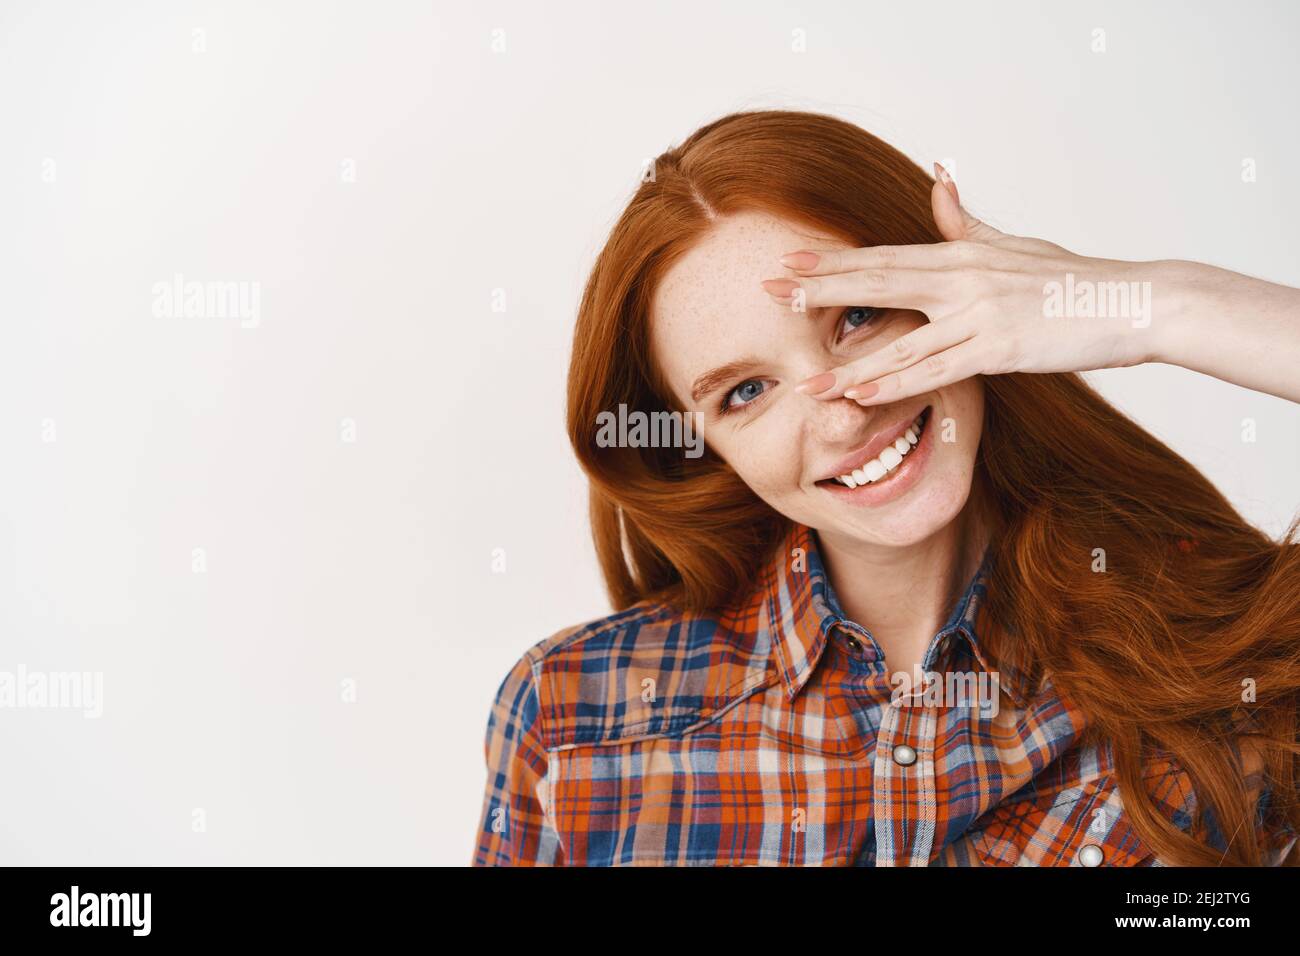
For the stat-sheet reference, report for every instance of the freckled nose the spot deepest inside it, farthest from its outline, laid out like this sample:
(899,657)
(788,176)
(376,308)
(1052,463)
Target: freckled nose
(836,421)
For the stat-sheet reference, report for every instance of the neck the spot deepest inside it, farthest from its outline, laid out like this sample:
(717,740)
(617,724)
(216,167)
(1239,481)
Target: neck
(904,595)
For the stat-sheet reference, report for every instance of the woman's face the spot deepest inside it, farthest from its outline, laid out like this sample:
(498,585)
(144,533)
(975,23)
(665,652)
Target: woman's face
(710,313)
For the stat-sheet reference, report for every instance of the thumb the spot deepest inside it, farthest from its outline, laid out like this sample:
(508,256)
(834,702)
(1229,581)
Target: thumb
(953,221)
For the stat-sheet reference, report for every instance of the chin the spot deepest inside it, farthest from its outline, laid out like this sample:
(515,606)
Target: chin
(925,510)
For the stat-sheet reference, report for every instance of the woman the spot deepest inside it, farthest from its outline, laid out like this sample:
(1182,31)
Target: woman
(926,598)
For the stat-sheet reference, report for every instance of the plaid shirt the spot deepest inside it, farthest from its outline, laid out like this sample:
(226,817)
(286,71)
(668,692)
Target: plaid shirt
(771,734)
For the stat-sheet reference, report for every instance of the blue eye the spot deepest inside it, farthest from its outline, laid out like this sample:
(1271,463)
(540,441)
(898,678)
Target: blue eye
(743,394)
(856,316)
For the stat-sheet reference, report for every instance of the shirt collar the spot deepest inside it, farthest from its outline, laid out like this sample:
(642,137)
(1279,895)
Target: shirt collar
(800,612)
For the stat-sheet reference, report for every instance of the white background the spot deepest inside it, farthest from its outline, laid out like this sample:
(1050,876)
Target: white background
(475,171)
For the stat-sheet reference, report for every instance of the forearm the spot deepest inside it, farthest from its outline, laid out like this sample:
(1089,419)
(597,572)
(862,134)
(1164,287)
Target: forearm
(1238,329)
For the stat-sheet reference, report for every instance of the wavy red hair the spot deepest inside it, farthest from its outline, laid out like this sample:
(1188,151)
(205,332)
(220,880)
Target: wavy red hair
(1156,650)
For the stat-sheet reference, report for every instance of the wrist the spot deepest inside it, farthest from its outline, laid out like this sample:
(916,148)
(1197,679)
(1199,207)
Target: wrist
(1177,298)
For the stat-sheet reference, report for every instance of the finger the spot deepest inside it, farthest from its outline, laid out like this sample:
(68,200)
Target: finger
(953,220)
(902,352)
(885,288)
(947,213)
(935,371)
(928,255)
(955,223)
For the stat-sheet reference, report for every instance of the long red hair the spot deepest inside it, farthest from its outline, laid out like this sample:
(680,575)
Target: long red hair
(1156,650)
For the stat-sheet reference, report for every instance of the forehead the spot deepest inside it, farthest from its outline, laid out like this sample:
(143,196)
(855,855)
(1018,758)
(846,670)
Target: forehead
(737,253)
(709,309)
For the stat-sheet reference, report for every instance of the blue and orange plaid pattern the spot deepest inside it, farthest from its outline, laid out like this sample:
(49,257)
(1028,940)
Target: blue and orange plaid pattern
(766,735)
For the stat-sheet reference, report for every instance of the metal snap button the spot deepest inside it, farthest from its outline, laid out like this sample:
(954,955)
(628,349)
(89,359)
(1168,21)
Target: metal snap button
(904,755)
(1089,855)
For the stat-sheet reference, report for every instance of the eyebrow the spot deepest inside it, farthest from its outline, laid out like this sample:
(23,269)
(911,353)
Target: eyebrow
(715,378)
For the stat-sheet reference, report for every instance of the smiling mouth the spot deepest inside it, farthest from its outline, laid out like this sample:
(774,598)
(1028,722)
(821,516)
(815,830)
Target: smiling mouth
(885,464)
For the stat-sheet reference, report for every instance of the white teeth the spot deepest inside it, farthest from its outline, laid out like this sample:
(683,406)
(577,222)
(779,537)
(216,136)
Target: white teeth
(890,458)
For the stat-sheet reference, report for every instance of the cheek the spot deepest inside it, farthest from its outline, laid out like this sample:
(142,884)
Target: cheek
(764,454)
(964,404)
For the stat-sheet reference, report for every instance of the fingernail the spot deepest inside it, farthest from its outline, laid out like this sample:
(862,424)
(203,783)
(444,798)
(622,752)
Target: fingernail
(818,383)
(941,174)
(801,260)
(780,287)
(862,391)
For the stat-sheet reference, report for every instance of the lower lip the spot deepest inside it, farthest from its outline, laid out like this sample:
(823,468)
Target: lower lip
(899,481)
